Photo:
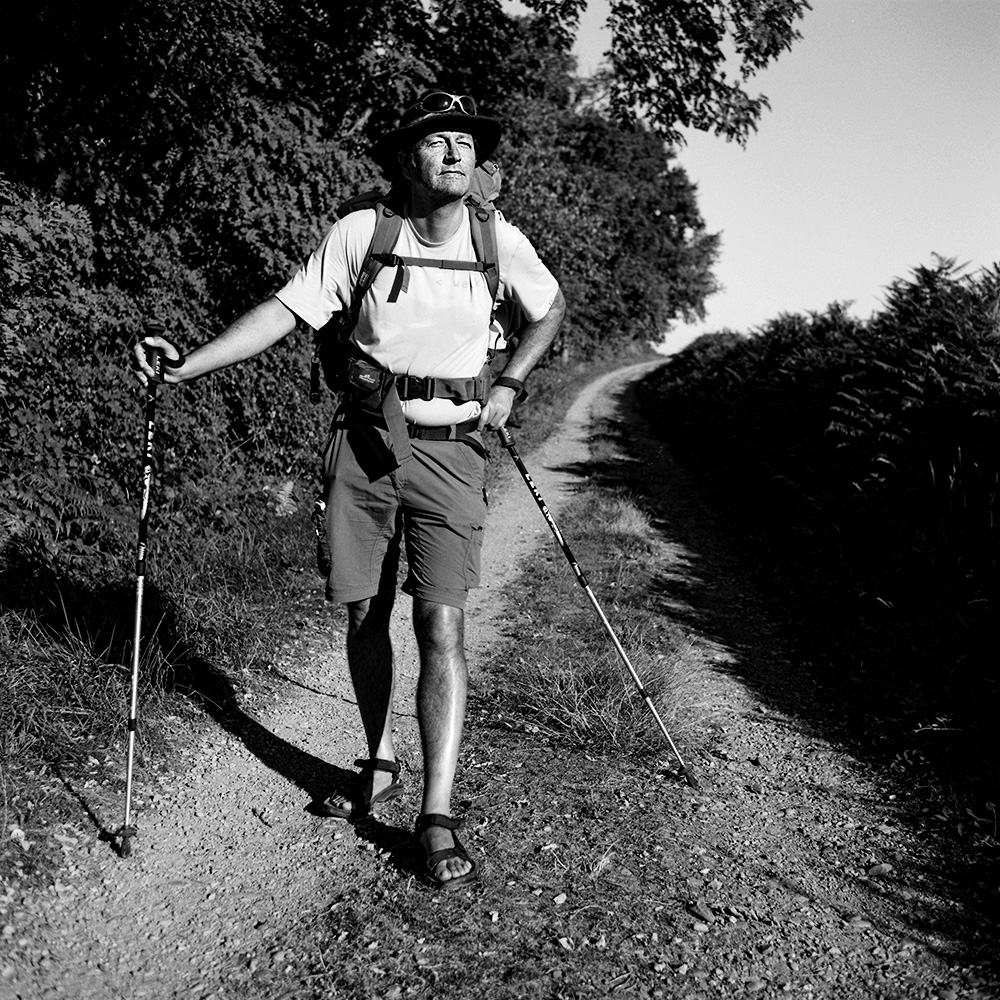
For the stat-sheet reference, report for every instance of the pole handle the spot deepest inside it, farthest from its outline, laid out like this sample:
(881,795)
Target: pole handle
(506,438)
(156,357)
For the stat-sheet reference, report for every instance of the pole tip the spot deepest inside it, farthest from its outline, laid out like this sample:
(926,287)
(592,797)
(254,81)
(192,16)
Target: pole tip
(125,847)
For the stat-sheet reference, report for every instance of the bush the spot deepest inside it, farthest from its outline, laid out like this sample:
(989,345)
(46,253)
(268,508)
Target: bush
(859,462)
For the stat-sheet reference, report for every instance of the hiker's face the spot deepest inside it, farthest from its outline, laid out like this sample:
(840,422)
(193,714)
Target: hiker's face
(441,165)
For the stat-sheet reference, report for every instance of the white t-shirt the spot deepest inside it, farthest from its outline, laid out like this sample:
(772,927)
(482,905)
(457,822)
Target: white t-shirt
(439,326)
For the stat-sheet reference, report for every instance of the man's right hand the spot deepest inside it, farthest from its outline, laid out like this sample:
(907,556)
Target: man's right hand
(142,368)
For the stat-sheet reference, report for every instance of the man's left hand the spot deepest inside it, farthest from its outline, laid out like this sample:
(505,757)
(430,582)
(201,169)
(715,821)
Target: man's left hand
(497,409)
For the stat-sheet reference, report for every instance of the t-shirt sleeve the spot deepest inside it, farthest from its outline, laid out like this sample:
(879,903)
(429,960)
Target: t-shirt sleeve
(323,285)
(526,280)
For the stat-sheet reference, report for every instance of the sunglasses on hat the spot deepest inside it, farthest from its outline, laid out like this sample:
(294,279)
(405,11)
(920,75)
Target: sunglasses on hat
(438,102)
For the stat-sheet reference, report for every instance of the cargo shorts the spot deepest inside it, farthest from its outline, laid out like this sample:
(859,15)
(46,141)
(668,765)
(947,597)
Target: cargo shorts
(435,503)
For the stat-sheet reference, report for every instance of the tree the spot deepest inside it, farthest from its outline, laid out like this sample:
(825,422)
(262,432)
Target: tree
(615,218)
(668,58)
(603,202)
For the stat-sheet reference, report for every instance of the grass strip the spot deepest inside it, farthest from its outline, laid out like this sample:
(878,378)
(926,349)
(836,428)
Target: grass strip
(557,672)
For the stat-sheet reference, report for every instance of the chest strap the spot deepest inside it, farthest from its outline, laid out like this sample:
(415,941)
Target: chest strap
(401,282)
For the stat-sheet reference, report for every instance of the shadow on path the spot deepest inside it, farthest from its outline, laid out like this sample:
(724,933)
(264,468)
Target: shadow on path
(775,656)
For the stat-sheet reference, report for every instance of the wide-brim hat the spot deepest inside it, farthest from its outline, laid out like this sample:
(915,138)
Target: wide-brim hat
(438,111)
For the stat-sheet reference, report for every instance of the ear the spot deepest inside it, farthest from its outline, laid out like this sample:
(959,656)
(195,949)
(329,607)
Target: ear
(403,157)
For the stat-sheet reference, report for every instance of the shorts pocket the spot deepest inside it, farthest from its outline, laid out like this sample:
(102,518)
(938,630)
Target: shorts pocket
(473,552)
(474,464)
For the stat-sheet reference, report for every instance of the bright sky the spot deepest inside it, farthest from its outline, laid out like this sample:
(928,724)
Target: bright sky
(881,148)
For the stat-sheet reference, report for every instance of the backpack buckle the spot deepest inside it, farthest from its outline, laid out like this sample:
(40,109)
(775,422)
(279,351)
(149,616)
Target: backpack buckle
(411,387)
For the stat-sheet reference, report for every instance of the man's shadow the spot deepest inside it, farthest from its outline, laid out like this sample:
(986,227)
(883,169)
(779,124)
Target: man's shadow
(76,609)
(207,686)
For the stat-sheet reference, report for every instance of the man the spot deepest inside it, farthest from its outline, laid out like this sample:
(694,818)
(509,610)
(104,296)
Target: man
(420,479)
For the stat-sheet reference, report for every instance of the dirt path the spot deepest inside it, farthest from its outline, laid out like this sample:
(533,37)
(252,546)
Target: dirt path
(227,854)
(793,872)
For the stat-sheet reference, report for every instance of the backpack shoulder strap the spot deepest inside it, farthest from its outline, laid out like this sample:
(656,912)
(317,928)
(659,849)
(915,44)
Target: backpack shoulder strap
(483,221)
(388,225)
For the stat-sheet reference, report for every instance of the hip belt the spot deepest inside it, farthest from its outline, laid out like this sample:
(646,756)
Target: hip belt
(372,388)
(459,389)
(364,380)
(453,432)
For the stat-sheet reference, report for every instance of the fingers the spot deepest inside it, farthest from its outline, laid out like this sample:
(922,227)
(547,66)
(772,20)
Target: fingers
(496,411)
(142,368)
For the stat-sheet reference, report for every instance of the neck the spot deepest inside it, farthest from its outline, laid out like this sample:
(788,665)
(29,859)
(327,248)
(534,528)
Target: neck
(434,222)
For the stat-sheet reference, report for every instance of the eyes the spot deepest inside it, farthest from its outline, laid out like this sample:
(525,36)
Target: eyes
(438,143)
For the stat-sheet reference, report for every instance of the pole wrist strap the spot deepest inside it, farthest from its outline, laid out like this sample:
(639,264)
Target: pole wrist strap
(512,383)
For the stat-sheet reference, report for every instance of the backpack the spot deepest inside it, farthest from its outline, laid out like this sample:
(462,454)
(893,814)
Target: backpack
(332,351)
(333,347)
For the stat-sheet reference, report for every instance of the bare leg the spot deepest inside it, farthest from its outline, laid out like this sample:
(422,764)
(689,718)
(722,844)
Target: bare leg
(441,696)
(369,657)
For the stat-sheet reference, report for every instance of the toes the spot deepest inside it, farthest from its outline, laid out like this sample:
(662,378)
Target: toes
(452,868)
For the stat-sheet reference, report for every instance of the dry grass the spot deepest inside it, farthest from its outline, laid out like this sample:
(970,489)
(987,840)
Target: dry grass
(60,687)
(562,673)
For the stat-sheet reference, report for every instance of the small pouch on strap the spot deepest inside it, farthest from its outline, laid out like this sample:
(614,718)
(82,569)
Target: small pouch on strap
(366,382)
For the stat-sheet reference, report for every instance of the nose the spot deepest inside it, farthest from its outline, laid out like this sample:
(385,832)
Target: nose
(452,153)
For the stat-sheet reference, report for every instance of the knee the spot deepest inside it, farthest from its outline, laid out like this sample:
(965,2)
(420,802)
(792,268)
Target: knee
(440,629)
(367,617)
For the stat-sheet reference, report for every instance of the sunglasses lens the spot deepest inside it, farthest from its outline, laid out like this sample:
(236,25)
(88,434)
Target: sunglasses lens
(467,104)
(437,102)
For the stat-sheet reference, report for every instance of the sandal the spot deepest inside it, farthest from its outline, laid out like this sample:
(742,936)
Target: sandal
(436,857)
(360,806)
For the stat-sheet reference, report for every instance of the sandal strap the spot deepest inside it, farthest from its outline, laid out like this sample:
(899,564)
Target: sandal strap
(446,854)
(378,764)
(436,819)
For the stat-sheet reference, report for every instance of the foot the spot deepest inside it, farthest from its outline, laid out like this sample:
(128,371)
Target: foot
(378,781)
(448,864)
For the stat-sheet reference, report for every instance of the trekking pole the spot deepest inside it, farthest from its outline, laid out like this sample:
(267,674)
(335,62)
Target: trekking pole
(156,360)
(507,440)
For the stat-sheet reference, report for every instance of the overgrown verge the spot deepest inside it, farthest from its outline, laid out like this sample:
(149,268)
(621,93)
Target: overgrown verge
(558,672)
(210,614)
(856,465)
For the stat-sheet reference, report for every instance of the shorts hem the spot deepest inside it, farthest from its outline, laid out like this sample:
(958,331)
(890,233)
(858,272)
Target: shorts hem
(453,599)
(334,596)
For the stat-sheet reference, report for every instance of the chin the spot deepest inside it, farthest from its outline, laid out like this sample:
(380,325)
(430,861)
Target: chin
(453,184)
